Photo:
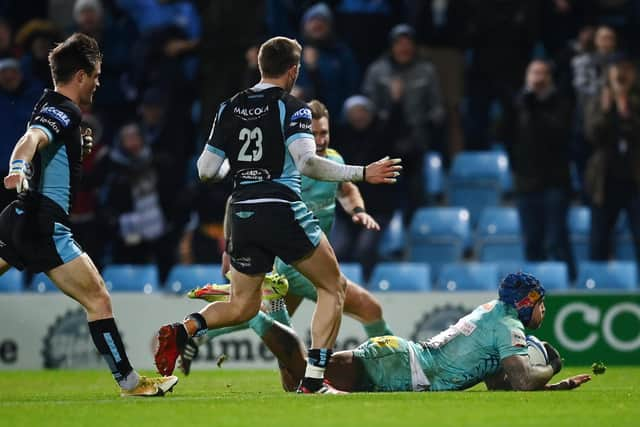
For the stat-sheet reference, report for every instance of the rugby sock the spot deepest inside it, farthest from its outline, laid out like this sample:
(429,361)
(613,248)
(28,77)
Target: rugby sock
(317,362)
(261,323)
(107,340)
(278,311)
(212,333)
(195,325)
(377,328)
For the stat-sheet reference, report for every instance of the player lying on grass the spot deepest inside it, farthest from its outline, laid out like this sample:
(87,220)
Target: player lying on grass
(320,197)
(486,345)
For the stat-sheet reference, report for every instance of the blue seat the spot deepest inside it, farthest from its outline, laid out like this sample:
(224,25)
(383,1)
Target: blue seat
(131,278)
(184,277)
(393,241)
(401,276)
(352,271)
(12,281)
(438,236)
(607,275)
(473,276)
(579,231)
(477,180)
(433,176)
(498,236)
(624,247)
(41,283)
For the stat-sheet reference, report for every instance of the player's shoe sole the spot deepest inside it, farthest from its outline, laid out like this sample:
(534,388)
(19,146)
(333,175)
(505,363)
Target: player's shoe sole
(274,286)
(167,351)
(150,387)
(211,292)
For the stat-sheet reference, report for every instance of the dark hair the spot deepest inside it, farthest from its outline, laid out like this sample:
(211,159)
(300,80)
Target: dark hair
(318,109)
(77,52)
(277,55)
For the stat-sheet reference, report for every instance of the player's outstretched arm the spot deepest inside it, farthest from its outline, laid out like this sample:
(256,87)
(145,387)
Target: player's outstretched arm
(569,383)
(522,376)
(351,200)
(303,151)
(33,140)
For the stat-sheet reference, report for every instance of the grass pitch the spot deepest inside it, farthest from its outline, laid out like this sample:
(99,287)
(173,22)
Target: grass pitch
(254,398)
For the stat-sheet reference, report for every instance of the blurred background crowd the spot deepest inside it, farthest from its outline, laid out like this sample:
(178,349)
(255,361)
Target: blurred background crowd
(548,85)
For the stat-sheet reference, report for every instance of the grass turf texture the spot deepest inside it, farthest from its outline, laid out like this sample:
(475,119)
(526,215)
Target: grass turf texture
(254,398)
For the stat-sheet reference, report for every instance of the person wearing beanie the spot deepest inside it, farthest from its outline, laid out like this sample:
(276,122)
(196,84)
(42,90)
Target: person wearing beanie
(329,71)
(402,84)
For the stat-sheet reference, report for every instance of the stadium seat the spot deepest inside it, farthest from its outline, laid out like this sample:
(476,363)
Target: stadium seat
(12,281)
(553,275)
(41,283)
(624,248)
(352,271)
(433,176)
(477,180)
(393,241)
(401,276)
(131,278)
(474,276)
(498,236)
(579,231)
(184,277)
(620,275)
(438,236)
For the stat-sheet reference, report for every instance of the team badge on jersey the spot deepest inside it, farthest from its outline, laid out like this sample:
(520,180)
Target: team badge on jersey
(56,114)
(303,113)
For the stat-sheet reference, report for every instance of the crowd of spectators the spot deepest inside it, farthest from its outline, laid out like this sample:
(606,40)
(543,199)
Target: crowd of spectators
(551,82)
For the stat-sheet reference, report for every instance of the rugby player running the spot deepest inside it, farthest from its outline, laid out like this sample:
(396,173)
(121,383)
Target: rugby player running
(320,198)
(265,134)
(35,230)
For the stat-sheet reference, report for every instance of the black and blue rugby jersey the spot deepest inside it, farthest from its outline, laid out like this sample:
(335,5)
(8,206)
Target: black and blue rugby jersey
(57,167)
(253,130)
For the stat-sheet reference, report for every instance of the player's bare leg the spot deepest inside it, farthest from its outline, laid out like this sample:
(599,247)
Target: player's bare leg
(343,371)
(361,305)
(243,305)
(321,268)
(80,280)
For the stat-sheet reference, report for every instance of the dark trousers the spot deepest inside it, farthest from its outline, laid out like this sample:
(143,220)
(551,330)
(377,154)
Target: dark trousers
(543,219)
(354,243)
(605,216)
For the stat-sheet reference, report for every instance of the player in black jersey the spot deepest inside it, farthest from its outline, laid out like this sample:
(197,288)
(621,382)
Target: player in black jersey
(35,230)
(265,136)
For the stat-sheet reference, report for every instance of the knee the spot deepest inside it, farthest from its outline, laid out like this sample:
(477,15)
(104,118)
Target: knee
(99,303)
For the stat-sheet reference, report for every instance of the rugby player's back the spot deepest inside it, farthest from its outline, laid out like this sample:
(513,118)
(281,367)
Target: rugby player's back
(469,351)
(253,130)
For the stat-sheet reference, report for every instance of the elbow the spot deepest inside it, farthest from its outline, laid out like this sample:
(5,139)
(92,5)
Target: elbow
(205,172)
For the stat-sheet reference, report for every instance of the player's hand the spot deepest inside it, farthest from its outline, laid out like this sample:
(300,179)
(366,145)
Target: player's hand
(365,220)
(384,171)
(87,142)
(554,357)
(17,181)
(573,382)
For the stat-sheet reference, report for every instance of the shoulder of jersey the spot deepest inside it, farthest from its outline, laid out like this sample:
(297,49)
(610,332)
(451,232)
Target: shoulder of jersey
(334,155)
(66,112)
